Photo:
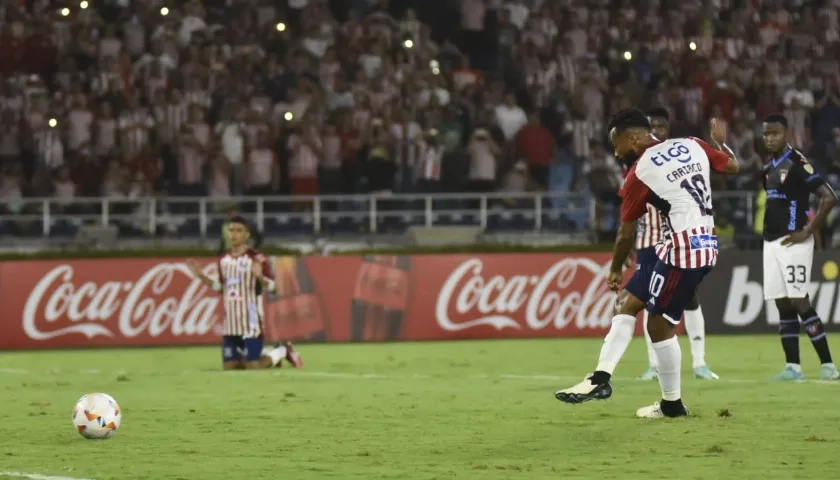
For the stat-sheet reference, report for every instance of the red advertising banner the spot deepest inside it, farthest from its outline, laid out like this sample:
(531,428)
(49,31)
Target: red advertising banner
(151,302)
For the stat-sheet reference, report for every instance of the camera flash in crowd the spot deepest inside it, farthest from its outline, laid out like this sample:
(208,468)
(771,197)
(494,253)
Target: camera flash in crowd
(435,66)
(164,11)
(408,44)
(692,46)
(84,5)
(628,56)
(281,27)
(289,116)
(53,122)
(65,12)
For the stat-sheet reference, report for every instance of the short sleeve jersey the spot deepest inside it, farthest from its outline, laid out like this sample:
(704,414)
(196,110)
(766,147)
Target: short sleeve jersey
(673,176)
(789,181)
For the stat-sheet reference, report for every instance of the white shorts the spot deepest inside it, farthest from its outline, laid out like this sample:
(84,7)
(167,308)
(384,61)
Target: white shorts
(787,270)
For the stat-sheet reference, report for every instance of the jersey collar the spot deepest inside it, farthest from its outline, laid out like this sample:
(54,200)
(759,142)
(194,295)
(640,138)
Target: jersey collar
(776,162)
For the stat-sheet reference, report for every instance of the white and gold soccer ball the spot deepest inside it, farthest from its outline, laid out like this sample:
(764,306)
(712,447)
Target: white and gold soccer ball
(97,416)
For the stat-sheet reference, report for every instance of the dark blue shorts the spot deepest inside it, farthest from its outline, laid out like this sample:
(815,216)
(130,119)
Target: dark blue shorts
(672,288)
(238,349)
(639,283)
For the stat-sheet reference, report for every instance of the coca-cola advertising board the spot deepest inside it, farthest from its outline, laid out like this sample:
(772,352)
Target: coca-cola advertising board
(152,302)
(733,299)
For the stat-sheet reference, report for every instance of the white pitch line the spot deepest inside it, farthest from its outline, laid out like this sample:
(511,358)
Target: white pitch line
(37,476)
(379,376)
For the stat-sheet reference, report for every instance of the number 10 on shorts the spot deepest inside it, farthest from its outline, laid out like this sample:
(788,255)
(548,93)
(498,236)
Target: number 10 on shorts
(656,283)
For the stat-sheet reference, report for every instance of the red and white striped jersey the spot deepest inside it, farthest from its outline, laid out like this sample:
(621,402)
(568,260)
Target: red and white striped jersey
(241,293)
(673,176)
(650,228)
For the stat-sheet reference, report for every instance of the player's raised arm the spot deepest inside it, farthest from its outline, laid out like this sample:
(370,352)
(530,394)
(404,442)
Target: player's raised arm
(721,157)
(197,271)
(262,271)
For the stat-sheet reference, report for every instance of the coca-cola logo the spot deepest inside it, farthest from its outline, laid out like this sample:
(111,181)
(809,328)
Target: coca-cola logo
(555,298)
(151,305)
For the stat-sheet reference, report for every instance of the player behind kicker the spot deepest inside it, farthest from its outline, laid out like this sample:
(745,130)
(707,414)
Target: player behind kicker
(673,176)
(789,181)
(243,273)
(648,236)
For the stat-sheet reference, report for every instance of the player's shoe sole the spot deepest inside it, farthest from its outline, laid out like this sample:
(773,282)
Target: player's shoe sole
(293,356)
(584,392)
(655,411)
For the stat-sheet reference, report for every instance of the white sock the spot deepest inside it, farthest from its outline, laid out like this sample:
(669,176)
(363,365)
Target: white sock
(695,329)
(616,342)
(276,355)
(668,363)
(830,365)
(648,341)
(795,366)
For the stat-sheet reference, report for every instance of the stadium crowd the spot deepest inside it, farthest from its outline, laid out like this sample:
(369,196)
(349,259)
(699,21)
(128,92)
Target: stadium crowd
(131,98)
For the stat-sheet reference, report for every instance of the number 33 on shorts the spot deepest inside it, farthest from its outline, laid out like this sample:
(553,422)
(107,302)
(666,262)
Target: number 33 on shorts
(787,269)
(796,274)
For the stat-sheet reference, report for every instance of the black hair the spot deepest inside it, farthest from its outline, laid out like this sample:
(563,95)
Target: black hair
(240,220)
(628,118)
(776,118)
(659,112)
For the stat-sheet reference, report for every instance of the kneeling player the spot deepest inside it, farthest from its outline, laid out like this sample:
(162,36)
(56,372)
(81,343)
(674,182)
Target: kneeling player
(242,276)
(687,254)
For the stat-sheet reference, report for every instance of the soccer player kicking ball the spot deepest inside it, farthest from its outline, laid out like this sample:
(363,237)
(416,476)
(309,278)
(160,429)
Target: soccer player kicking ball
(649,235)
(243,273)
(789,246)
(673,176)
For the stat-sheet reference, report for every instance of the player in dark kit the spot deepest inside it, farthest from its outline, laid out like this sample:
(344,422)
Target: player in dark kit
(789,181)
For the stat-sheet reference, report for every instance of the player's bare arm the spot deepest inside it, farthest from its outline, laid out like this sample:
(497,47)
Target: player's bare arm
(198,272)
(259,273)
(624,241)
(827,200)
(718,134)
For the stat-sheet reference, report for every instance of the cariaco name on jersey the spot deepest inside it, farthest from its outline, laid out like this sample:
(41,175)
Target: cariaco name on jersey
(745,308)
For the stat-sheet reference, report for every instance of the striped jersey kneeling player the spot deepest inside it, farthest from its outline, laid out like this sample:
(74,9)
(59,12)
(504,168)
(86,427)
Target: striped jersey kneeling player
(242,274)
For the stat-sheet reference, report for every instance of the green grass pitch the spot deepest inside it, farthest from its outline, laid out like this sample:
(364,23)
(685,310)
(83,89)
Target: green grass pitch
(458,410)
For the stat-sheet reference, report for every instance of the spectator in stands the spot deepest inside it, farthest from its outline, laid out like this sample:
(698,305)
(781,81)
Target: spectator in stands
(119,80)
(510,117)
(536,146)
(429,162)
(263,169)
(484,154)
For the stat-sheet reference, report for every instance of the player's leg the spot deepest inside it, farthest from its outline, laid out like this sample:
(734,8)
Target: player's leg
(800,257)
(695,330)
(650,373)
(813,326)
(596,386)
(639,286)
(232,353)
(671,289)
(257,357)
(789,334)
(775,288)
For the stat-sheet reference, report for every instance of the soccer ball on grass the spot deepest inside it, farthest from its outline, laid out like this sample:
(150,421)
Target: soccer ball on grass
(97,416)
